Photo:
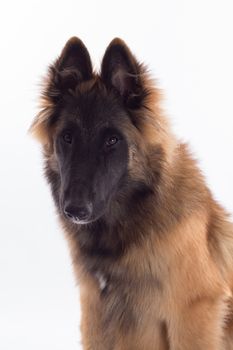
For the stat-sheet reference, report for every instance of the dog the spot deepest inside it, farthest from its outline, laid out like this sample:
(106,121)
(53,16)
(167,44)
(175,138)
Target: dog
(152,250)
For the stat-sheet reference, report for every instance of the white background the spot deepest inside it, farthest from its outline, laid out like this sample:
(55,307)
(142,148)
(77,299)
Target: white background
(188,46)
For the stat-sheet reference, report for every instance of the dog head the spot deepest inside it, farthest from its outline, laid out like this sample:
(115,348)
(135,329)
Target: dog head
(103,135)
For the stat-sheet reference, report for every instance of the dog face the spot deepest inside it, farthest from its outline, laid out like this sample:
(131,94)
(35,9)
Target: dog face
(92,154)
(93,129)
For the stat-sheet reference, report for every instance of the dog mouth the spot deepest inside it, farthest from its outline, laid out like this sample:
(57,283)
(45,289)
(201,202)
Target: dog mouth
(77,221)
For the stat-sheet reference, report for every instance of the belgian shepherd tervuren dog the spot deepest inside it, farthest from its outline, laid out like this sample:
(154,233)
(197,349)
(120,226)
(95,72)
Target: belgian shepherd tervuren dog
(152,250)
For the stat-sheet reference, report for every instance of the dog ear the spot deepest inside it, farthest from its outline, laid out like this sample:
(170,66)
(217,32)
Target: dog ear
(71,68)
(121,72)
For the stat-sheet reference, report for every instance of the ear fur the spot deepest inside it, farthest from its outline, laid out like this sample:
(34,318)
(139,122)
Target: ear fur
(71,68)
(121,72)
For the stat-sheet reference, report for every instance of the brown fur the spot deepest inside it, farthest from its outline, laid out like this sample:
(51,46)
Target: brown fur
(172,288)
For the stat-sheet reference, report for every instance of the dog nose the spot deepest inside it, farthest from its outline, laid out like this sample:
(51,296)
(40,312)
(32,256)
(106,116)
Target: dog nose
(77,212)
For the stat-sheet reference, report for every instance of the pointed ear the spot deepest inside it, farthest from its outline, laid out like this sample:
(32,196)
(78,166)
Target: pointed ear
(72,67)
(121,71)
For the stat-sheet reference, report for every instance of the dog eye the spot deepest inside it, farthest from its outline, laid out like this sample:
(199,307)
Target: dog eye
(67,137)
(111,141)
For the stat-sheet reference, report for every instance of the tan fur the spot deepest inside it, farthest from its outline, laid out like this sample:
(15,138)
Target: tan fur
(192,287)
(178,282)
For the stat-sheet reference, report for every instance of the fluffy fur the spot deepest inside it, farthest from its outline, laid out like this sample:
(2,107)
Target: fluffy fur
(155,270)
